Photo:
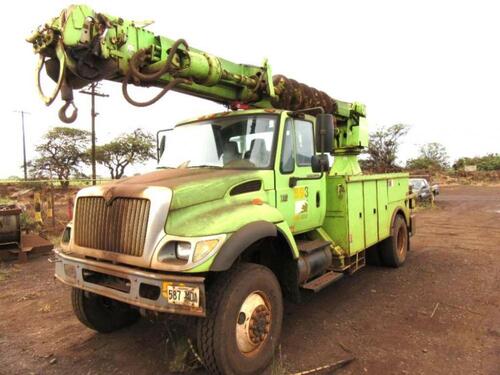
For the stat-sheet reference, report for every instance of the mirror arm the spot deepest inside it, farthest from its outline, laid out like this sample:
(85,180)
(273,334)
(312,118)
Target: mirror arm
(158,142)
(158,146)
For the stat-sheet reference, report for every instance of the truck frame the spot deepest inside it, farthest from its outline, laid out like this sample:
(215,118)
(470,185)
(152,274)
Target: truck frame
(244,209)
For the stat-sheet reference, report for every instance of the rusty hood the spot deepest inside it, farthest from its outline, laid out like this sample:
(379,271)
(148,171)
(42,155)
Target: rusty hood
(190,186)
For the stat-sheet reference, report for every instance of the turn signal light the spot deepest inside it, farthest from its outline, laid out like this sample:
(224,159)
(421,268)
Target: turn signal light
(203,248)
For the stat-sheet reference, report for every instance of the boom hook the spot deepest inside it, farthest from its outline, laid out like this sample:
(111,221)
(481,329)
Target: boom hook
(62,112)
(67,96)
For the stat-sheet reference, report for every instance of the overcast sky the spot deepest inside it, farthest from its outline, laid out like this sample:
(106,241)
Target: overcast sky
(434,65)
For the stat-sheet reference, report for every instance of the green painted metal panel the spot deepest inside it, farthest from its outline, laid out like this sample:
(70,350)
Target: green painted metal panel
(335,223)
(383,210)
(225,215)
(370,212)
(348,196)
(355,217)
(397,188)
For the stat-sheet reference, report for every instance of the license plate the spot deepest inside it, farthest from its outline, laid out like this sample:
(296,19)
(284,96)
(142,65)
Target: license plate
(181,295)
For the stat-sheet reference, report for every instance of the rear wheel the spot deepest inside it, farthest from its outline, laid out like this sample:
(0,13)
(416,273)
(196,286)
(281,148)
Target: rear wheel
(393,250)
(100,313)
(372,255)
(243,323)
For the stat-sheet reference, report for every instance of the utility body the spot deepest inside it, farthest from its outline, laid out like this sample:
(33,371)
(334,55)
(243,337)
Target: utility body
(246,207)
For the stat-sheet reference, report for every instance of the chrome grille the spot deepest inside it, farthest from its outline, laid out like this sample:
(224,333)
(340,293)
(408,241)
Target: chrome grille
(119,227)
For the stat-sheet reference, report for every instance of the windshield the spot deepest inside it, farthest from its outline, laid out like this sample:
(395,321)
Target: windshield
(239,142)
(417,184)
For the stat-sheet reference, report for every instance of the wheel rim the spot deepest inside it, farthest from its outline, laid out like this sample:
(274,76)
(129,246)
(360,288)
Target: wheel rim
(253,323)
(401,240)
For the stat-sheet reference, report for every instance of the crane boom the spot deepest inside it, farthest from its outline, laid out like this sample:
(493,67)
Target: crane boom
(82,46)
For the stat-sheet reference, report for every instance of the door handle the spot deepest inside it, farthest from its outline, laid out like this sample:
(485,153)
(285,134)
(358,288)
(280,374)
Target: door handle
(318,199)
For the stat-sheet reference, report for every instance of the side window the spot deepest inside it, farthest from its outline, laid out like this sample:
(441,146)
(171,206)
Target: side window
(287,164)
(304,142)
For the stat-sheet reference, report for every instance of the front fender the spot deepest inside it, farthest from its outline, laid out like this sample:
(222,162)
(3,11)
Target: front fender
(239,241)
(241,218)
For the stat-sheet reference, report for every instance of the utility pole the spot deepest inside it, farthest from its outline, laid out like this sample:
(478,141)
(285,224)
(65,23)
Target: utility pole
(24,143)
(92,91)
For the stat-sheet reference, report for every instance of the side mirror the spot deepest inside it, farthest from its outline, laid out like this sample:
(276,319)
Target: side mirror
(161,147)
(320,163)
(324,132)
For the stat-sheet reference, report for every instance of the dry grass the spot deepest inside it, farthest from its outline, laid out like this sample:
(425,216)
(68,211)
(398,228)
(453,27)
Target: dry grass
(45,308)
(4,272)
(278,367)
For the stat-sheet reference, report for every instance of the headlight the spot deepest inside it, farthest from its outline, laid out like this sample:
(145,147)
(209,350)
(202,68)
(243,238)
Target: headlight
(183,250)
(66,235)
(203,248)
(65,238)
(175,250)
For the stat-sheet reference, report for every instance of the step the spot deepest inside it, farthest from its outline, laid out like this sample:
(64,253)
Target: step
(311,246)
(324,280)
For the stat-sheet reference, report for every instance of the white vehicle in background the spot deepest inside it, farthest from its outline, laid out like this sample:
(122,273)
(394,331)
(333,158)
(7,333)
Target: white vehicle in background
(423,190)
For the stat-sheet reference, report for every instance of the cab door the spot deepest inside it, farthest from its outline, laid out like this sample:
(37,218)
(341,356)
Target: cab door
(300,197)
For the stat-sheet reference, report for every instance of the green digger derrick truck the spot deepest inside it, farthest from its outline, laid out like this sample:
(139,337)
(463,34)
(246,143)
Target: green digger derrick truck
(245,207)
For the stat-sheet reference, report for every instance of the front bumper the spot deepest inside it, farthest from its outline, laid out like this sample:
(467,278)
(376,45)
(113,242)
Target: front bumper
(143,289)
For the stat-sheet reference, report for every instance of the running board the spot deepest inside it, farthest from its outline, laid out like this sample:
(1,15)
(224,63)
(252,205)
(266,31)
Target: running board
(324,280)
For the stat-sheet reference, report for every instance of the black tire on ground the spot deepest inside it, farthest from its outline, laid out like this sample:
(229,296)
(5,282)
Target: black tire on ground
(244,292)
(393,250)
(372,256)
(100,313)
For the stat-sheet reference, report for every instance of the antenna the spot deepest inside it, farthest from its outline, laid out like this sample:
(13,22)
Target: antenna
(24,142)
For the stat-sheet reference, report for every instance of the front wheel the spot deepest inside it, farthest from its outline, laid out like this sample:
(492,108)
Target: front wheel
(100,313)
(243,323)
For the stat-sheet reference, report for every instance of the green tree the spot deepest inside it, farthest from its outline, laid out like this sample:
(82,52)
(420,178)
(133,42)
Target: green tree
(489,162)
(127,149)
(63,152)
(383,148)
(432,156)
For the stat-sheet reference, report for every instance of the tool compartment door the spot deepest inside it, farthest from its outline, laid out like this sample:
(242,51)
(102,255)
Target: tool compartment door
(384,219)
(355,211)
(370,211)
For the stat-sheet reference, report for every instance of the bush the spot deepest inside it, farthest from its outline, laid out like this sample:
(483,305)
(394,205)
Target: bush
(490,162)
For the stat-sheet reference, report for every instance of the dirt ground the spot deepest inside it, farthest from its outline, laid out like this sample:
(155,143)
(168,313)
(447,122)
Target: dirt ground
(439,314)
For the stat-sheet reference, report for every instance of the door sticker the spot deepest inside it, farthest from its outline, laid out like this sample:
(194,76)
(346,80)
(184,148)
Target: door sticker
(300,194)
(301,208)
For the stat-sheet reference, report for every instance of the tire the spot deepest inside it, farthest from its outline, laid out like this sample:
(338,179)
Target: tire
(372,256)
(100,313)
(225,336)
(393,250)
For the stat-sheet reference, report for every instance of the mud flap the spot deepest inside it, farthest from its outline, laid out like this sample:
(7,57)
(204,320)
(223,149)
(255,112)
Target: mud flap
(413,225)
